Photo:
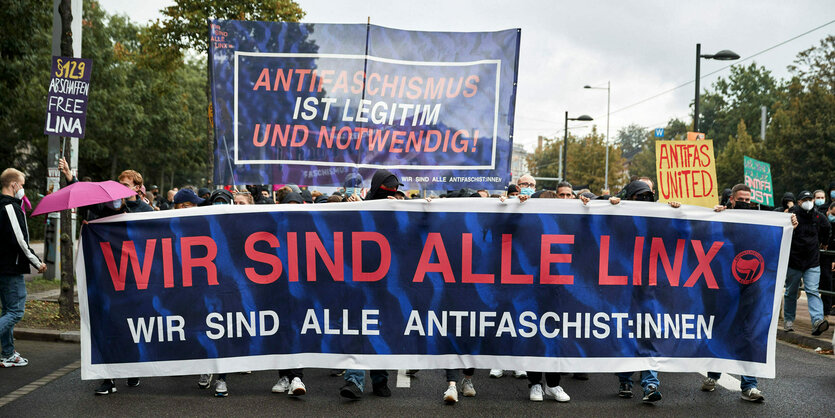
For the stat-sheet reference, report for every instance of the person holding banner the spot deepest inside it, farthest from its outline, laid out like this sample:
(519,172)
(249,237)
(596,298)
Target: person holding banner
(15,258)
(640,190)
(740,199)
(383,186)
(811,232)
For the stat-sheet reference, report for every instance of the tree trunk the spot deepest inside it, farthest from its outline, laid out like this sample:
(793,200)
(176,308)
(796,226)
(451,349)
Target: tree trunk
(66,301)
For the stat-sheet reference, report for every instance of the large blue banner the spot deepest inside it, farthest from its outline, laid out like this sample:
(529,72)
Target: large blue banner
(542,285)
(316,103)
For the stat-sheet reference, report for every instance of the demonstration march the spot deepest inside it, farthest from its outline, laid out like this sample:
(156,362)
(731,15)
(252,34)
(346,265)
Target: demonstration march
(360,201)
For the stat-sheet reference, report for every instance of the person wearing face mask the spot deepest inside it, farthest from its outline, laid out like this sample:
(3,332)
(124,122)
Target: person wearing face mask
(740,198)
(15,258)
(820,201)
(527,186)
(810,234)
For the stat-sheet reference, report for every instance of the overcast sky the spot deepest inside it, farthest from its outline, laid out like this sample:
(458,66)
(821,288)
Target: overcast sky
(642,47)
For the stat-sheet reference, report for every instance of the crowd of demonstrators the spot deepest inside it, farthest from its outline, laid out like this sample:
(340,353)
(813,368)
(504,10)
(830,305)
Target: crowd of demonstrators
(812,215)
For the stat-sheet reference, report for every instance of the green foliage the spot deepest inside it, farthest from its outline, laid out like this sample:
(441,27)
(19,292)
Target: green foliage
(729,161)
(631,139)
(643,162)
(586,162)
(739,97)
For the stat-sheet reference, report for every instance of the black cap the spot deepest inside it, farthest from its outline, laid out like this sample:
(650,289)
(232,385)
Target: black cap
(805,195)
(203,191)
(186,195)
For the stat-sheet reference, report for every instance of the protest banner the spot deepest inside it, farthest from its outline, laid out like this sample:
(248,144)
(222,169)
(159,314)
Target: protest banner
(686,172)
(69,88)
(758,178)
(315,103)
(453,283)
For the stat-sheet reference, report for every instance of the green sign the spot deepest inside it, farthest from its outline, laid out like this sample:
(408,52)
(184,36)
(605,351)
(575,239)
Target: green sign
(758,178)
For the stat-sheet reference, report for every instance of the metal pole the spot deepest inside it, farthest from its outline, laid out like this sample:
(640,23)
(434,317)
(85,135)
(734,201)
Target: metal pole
(763,116)
(696,101)
(608,103)
(565,149)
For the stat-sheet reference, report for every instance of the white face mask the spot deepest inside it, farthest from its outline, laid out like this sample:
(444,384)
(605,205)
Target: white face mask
(19,194)
(807,205)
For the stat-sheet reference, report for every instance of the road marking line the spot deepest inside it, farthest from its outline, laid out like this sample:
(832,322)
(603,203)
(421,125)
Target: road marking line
(31,387)
(403,380)
(728,382)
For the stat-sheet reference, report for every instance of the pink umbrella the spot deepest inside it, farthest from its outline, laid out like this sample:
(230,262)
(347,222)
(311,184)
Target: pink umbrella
(82,193)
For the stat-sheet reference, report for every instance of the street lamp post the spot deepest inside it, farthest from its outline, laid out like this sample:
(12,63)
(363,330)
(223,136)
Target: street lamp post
(608,103)
(723,55)
(565,142)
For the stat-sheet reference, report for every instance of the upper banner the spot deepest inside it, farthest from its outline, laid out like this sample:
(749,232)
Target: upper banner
(314,103)
(546,285)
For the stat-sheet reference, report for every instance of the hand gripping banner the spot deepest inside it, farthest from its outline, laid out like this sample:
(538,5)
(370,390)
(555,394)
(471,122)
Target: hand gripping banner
(546,285)
(316,103)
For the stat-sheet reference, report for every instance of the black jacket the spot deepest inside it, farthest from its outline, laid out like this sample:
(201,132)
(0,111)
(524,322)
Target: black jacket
(15,253)
(812,231)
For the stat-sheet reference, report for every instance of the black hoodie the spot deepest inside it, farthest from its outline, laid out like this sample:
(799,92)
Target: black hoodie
(15,253)
(382,177)
(635,188)
(812,231)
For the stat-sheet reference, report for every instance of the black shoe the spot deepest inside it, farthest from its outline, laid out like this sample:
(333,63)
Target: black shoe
(133,382)
(350,391)
(382,390)
(625,390)
(106,388)
(580,376)
(651,394)
(820,326)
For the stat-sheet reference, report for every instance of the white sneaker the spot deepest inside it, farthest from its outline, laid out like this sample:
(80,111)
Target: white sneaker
(282,385)
(536,393)
(296,387)
(451,394)
(520,374)
(467,388)
(708,384)
(220,388)
(752,395)
(788,326)
(14,360)
(205,381)
(557,393)
(496,373)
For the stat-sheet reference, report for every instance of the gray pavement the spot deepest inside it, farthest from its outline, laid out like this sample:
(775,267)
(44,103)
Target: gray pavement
(805,386)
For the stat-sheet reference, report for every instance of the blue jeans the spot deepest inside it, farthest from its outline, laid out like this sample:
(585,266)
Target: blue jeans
(13,298)
(747,382)
(811,280)
(357,377)
(648,377)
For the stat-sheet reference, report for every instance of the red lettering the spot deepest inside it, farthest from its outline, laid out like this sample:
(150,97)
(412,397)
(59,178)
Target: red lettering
(704,264)
(656,252)
(189,262)
(467,275)
(266,258)
(434,243)
(357,239)
(335,265)
(507,259)
(603,275)
(637,261)
(547,258)
(141,275)
(167,263)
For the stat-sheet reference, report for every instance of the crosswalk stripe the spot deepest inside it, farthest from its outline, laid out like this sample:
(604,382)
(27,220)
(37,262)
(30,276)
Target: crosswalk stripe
(728,382)
(403,380)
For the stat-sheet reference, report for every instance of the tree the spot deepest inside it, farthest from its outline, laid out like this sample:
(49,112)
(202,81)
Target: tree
(631,139)
(185,27)
(643,163)
(739,97)
(730,161)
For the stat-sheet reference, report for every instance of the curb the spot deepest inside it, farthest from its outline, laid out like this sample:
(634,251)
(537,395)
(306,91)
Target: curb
(47,335)
(806,340)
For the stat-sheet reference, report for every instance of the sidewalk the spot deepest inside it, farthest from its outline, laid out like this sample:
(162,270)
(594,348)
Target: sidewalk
(802,333)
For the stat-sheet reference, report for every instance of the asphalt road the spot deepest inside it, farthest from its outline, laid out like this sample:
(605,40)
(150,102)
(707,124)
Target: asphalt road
(805,386)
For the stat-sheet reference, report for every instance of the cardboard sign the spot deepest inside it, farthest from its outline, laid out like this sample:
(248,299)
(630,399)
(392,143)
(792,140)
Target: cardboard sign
(69,88)
(686,172)
(758,178)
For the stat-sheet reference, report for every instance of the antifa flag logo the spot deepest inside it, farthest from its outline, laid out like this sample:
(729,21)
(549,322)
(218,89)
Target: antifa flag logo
(748,266)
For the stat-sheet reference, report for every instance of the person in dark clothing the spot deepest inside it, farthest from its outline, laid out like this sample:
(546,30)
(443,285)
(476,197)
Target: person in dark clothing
(383,186)
(293,197)
(820,201)
(810,234)
(15,258)
(786,202)
(186,198)
(830,193)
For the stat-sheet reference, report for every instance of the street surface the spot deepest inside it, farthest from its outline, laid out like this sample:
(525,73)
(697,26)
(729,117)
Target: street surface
(805,387)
